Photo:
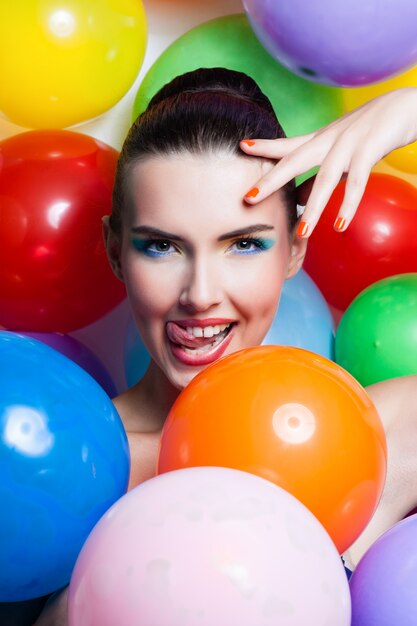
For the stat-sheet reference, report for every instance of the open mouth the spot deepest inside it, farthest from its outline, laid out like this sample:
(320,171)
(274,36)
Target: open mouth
(199,346)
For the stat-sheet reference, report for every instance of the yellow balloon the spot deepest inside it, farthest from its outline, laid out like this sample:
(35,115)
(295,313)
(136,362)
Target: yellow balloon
(404,159)
(65,61)
(385,168)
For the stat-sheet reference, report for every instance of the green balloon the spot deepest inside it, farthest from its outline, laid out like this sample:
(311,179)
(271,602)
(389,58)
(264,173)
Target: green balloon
(377,335)
(301,105)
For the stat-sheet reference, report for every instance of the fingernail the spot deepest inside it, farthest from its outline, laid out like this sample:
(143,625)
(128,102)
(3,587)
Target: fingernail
(248,142)
(303,228)
(340,224)
(252,193)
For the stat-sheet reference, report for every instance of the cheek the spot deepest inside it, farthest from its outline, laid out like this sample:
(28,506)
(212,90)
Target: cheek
(152,289)
(258,287)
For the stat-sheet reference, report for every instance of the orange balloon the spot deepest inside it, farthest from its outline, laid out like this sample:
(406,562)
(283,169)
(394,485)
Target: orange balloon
(292,417)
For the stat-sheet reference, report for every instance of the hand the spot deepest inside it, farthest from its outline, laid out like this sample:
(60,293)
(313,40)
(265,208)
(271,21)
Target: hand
(350,145)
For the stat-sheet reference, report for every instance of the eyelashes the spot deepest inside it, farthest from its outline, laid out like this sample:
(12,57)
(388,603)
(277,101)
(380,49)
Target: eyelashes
(144,246)
(253,245)
(158,248)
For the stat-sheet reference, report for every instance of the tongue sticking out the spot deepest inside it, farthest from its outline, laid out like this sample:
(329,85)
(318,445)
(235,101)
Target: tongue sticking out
(178,334)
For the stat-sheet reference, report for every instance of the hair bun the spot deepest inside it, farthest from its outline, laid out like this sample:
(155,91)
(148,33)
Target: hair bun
(216,79)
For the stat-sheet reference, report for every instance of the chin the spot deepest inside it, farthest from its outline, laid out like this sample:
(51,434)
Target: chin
(185,380)
(181,380)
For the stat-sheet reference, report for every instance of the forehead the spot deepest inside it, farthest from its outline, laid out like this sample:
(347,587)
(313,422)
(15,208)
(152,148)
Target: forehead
(185,193)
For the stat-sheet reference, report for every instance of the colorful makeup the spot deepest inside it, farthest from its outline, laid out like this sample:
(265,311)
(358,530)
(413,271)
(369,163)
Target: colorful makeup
(250,245)
(144,246)
(257,244)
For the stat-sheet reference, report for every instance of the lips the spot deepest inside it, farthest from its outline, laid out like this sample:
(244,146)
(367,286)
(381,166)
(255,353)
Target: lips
(178,334)
(182,343)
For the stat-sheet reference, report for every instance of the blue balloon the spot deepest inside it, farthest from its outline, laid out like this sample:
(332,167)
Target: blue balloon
(303,320)
(80,354)
(64,460)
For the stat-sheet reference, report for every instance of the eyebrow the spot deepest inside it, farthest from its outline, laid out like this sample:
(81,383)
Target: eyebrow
(150,230)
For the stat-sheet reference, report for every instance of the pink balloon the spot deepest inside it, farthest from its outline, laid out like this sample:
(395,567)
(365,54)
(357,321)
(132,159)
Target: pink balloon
(210,546)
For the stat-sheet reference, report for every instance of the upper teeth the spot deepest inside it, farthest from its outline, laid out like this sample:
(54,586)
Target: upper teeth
(207,331)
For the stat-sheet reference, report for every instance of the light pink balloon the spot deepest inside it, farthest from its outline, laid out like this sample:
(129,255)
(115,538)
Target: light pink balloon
(208,546)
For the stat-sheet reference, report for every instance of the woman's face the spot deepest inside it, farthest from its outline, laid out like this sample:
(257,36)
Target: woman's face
(203,270)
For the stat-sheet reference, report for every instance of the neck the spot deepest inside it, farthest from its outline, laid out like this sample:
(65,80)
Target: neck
(156,395)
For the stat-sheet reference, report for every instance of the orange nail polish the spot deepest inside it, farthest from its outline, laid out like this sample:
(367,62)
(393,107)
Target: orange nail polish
(249,142)
(340,223)
(252,193)
(302,229)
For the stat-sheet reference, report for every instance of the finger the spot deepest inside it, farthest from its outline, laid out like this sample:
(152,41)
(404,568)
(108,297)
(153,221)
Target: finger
(298,162)
(319,197)
(304,189)
(356,181)
(327,178)
(273,148)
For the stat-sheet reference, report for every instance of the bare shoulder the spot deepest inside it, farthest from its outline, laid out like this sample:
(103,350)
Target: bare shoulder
(144,448)
(143,444)
(396,401)
(55,610)
(126,406)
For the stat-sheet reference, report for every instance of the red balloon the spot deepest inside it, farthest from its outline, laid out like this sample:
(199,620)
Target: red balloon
(381,241)
(55,186)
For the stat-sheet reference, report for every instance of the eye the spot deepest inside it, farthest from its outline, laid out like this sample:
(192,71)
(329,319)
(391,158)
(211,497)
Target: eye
(246,244)
(154,247)
(249,245)
(160,246)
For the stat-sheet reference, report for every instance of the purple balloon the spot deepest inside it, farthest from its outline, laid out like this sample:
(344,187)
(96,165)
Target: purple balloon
(80,354)
(383,586)
(338,43)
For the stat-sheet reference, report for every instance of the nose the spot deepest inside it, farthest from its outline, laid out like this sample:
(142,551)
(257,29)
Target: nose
(202,288)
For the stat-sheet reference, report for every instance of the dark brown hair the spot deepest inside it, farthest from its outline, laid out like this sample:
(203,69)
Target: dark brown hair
(198,112)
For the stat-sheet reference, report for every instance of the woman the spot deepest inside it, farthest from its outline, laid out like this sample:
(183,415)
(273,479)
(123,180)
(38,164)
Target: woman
(189,249)
(204,266)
